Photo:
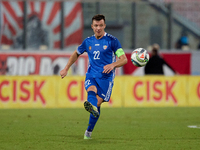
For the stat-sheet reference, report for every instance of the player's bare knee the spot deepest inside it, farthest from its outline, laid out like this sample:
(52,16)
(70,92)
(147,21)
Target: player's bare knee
(92,88)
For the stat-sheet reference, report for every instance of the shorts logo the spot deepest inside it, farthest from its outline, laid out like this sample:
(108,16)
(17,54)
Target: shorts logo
(87,82)
(103,95)
(105,47)
(90,47)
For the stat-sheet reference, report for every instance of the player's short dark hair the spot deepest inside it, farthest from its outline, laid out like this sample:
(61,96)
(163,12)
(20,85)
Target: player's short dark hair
(99,17)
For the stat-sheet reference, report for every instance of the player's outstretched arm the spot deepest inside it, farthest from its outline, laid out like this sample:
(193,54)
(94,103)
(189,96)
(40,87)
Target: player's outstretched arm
(72,59)
(122,61)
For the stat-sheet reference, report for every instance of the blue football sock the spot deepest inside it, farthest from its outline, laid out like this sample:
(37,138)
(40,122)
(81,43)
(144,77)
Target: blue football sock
(92,121)
(92,98)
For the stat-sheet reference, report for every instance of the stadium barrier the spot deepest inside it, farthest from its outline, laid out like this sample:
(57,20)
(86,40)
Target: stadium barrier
(128,91)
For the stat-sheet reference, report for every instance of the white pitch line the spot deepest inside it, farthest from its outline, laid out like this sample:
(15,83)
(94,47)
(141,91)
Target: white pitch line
(194,126)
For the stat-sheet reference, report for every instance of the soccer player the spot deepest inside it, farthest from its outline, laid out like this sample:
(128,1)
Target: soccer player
(102,49)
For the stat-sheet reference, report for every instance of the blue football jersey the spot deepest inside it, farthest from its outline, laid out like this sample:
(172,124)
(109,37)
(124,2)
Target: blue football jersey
(101,52)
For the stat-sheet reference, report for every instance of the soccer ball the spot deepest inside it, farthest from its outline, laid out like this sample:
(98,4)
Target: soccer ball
(139,57)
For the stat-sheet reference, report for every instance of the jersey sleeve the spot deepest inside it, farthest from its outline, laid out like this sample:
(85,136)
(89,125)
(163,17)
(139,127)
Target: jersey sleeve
(81,48)
(116,45)
(117,48)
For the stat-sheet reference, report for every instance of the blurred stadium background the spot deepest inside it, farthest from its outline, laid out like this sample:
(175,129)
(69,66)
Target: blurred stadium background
(37,38)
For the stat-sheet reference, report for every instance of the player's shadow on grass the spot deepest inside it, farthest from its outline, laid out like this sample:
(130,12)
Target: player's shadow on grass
(107,140)
(74,138)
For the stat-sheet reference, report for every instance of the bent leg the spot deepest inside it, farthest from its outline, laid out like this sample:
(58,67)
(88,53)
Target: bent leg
(93,120)
(91,103)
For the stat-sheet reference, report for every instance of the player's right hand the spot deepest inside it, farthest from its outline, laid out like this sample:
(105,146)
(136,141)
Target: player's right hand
(63,73)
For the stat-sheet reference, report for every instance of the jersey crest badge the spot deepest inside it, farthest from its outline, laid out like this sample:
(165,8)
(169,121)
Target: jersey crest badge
(105,47)
(90,47)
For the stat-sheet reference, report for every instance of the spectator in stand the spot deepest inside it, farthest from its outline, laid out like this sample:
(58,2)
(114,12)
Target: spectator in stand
(155,64)
(183,41)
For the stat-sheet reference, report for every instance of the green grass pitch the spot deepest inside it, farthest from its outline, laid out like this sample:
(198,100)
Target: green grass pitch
(163,128)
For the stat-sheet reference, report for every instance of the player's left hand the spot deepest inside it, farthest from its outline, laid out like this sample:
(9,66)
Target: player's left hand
(108,68)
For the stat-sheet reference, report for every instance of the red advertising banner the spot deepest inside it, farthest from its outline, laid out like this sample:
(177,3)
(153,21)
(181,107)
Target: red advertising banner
(40,64)
(50,63)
